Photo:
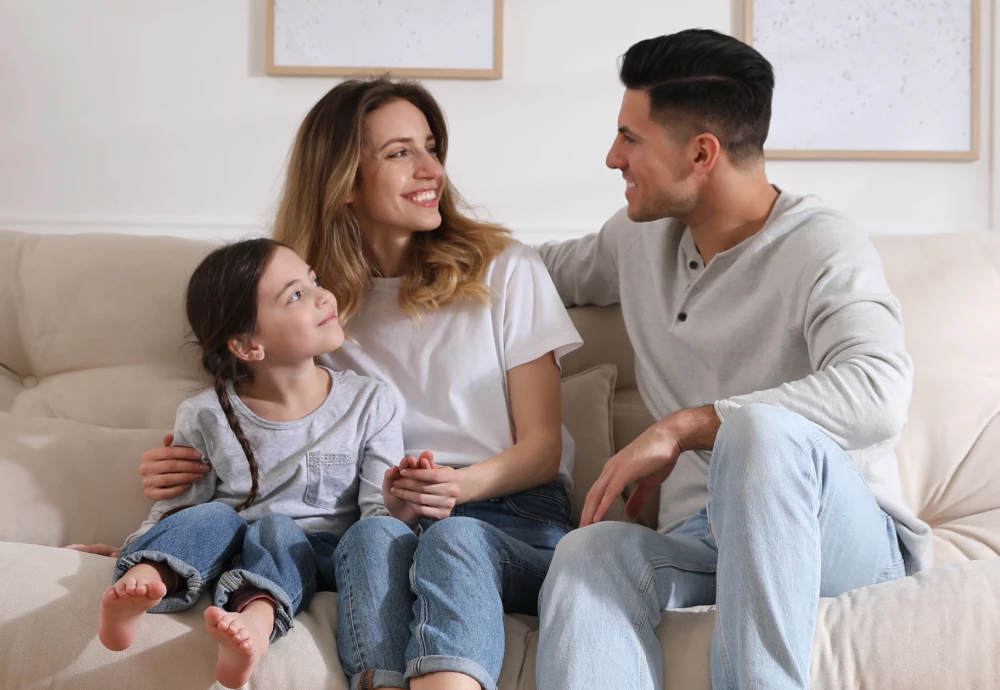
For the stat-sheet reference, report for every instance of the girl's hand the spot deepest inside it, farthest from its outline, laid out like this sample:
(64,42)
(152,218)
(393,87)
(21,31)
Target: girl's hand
(398,508)
(99,549)
(169,471)
(430,489)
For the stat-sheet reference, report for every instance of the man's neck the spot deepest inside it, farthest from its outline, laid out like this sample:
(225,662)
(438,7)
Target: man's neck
(732,211)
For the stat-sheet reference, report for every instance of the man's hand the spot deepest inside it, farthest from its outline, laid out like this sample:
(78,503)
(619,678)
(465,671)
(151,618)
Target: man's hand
(648,461)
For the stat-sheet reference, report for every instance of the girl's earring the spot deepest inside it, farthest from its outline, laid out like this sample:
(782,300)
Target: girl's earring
(260,354)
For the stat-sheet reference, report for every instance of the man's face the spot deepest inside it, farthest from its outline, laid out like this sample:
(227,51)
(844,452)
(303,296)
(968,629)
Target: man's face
(657,164)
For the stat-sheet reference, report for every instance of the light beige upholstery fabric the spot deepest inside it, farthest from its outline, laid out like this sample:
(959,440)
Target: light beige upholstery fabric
(93,364)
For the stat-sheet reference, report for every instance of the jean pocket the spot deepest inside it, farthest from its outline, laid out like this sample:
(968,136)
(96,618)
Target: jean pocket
(548,504)
(327,476)
(897,567)
(892,572)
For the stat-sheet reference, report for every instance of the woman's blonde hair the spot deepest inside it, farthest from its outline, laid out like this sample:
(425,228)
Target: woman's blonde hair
(314,217)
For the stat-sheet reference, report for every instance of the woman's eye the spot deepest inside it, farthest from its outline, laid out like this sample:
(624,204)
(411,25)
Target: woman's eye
(296,296)
(398,154)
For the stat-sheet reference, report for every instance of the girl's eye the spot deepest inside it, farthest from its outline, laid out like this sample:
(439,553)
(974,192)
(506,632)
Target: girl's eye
(398,154)
(296,296)
(316,282)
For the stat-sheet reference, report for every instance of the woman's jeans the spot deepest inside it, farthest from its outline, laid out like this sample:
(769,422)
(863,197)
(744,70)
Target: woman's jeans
(409,606)
(210,544)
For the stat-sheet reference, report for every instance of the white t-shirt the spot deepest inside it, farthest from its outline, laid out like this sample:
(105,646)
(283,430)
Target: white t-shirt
(450,367)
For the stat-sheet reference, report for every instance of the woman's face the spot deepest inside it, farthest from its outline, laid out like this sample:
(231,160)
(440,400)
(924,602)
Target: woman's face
(401,176)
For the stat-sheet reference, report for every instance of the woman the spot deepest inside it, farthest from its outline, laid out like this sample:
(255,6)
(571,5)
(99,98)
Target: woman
(467,326)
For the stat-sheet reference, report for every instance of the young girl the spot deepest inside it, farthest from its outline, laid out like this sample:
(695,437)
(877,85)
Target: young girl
(297,453)
(466,324)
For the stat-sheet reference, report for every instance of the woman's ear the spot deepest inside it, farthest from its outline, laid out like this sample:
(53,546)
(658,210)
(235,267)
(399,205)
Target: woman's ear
(246,350)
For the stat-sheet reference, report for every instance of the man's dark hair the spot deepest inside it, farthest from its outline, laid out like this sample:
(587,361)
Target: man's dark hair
(705,81)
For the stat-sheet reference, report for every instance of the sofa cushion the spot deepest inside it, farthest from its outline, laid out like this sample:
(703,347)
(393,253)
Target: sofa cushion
(66,482)
(586,408)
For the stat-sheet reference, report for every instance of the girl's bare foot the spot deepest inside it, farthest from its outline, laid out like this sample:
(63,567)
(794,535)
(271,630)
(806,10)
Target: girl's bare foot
(124,602)
(243,640)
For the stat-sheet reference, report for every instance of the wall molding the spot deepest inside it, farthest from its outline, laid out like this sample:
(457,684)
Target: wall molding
(230,229)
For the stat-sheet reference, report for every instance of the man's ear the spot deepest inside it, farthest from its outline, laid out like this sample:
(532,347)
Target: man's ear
(706,151)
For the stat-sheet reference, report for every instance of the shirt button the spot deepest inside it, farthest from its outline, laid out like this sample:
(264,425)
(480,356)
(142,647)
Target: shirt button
(682,317)
(693,264)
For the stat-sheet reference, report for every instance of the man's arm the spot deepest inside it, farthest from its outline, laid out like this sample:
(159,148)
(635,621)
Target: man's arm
(585,270)
(860,390)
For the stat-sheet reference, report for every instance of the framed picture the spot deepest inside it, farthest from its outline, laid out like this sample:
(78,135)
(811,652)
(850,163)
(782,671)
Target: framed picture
(431,39)
(856,79)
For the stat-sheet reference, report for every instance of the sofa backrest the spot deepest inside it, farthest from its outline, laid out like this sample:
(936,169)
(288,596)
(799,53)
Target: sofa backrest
(72,348)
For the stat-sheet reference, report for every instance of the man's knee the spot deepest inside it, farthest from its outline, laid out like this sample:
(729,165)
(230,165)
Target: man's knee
(758,445)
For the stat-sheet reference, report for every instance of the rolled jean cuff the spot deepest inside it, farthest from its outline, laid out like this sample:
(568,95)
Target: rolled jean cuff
(423,665)
(190,585)
(233,580)
(377,678)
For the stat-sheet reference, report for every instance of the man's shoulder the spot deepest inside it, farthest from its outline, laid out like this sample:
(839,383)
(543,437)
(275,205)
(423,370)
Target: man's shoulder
(810,228)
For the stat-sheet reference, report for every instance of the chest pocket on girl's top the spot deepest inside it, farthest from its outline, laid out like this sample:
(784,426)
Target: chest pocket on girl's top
(327,476)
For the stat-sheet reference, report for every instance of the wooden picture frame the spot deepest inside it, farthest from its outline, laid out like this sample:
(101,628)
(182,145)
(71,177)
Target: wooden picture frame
(969,153)
(278,62)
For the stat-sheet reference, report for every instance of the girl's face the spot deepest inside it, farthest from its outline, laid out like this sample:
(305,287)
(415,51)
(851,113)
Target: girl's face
(401,176)
(296,318)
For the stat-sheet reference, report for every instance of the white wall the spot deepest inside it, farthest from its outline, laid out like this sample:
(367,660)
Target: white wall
(157,117)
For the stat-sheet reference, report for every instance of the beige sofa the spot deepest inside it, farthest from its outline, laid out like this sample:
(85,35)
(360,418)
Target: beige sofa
(94,363)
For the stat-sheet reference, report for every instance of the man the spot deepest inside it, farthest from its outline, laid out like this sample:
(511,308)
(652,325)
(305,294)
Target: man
(770,349)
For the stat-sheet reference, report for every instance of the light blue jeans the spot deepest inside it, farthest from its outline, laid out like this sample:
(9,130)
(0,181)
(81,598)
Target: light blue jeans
(210,546)
(790,520)
(408,607)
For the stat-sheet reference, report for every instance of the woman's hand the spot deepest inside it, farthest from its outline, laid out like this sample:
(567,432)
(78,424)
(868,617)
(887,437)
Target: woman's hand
(98,549)
(430,490)
(169,471)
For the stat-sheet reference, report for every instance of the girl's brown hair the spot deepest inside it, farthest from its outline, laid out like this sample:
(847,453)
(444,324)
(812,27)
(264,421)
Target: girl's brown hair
(315,219)
(221,304)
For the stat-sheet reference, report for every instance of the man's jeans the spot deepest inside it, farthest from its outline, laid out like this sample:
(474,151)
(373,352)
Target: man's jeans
(409,606)
(210,544)
(790,520)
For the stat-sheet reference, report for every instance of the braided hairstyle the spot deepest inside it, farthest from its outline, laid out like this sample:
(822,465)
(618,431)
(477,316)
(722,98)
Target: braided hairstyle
(221,304)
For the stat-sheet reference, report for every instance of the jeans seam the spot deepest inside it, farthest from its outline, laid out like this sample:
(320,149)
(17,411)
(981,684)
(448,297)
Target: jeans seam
(421,620)
(342,563)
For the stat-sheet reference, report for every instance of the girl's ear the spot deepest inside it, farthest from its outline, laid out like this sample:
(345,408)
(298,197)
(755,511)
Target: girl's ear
(246,350)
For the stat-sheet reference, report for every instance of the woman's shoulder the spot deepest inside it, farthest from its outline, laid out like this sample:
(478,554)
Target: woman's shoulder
(517,256)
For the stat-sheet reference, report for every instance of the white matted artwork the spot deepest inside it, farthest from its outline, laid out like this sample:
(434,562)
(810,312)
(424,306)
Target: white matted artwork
(867,79)
(406,38)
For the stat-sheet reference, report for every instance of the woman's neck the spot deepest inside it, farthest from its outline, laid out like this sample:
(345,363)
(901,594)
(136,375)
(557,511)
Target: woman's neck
(285,393)
(387,252)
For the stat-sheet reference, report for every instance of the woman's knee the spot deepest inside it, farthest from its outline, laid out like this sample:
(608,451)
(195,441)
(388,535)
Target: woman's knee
(372,537)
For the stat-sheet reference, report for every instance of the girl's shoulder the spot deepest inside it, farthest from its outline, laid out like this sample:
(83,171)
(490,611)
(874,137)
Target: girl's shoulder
(350,382)
(202,411)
